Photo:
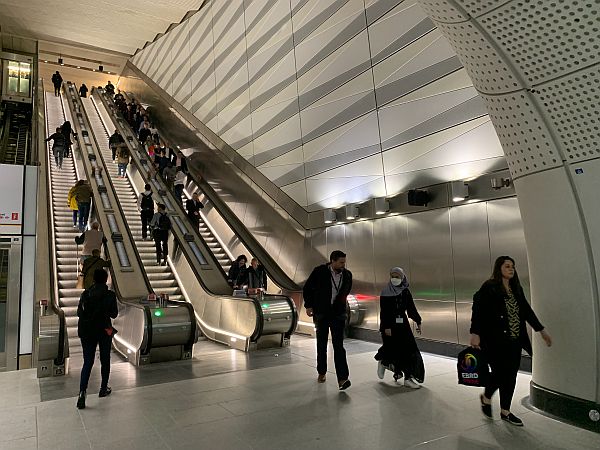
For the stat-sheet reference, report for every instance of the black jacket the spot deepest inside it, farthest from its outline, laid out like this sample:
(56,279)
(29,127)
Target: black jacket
(401,305)
(115,139)
(184,167)
(489,318)
(57,79)
(317,291)
(97,305)
(144,134)
(192,208)
(235,273)
(253,278)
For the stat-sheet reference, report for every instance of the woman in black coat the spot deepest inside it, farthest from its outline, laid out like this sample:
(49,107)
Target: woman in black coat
(399,352)
(498,328)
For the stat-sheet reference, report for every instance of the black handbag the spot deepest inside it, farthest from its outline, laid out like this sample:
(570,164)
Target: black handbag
(473,369)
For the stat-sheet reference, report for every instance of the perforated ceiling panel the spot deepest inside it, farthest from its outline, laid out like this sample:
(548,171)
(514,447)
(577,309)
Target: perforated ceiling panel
(572,106)
(442,11)
(547,39)
(487,69)
(478,7)
(525,139)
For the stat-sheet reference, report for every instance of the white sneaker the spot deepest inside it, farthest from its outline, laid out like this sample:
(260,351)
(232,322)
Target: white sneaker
(380,370)
(409,383)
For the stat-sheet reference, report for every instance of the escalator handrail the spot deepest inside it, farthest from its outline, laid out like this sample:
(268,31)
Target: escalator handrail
(108,180)
(53,265)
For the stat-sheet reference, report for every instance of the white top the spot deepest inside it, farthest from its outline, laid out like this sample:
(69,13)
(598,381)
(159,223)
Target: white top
(179,178)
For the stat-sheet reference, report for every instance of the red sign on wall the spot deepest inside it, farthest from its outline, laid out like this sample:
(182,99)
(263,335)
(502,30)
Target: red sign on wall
(15,216)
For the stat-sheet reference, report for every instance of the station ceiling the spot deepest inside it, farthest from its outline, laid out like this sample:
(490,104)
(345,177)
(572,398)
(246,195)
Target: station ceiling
(111,25)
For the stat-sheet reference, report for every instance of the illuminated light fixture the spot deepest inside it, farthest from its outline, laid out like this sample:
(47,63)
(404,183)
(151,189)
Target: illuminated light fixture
(93,70)
(351,212)
(79,67)
(460,191)
(233,339)
(382,206)
(100,68)
(329,216)
(45,61)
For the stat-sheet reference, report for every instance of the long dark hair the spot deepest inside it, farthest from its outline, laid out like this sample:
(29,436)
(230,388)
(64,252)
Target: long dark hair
(514,283)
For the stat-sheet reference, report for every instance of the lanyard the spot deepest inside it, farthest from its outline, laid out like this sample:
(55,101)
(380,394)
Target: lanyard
(338,285)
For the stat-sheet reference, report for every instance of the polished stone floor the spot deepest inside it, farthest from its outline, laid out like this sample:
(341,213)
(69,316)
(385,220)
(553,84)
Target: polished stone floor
(225,399)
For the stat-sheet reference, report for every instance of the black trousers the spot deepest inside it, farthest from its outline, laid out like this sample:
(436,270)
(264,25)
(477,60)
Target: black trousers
(146,217)
(504,363)
(89,345)
(57,90)
(335,323)
(161,241)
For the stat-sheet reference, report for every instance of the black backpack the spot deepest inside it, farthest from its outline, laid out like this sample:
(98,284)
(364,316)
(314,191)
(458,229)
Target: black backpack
(147,204)
(164,223)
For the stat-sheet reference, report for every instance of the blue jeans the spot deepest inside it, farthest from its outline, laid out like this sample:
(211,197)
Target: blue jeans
(122,169)
(89,345)
(84,213)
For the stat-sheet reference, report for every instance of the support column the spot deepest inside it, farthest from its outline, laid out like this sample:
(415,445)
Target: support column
(536,66)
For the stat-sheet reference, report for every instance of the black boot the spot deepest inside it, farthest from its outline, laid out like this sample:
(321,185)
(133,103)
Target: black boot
(81,400)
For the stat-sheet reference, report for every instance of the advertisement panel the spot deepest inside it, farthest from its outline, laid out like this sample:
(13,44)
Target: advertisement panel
(11,199)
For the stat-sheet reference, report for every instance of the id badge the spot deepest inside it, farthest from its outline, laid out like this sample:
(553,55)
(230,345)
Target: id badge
(399,319)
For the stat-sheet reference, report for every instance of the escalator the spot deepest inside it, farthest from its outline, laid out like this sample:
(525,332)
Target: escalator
(161,278)
(199,265)
(64,232)
(147,332)
(15,133)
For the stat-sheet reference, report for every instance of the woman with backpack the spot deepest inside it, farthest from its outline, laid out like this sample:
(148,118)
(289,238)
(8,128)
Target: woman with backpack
(160,226)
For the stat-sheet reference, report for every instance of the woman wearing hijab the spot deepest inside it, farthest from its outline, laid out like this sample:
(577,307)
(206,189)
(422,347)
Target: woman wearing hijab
(399,352)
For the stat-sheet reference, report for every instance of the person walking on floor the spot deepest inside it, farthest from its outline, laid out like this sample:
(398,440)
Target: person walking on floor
(498,328)
(160,226)
(57,82)
(90,265)
(193,207)
(97,306)
(83,194)
(325,299)
(58,147)
(146,205)
(399,352)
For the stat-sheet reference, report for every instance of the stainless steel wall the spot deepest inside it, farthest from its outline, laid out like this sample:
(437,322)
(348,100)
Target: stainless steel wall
(447,254)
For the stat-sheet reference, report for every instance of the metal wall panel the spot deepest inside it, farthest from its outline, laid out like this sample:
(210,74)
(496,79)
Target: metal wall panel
(471,257)
(507,237)
(431,272)
(359,238)
(336,239)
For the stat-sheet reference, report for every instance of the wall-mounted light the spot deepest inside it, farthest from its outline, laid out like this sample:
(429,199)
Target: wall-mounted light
(329,216)
(351,212)
(382,206)
(460,191)
(499,183)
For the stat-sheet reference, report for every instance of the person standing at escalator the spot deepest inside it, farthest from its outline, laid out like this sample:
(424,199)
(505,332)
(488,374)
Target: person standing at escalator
(113,142)
(160,226)
(123,157)
(237,271)
(146,205)
(83,90)
(83,194)
(58,147)
(193,207)
(57,82)
(67,132)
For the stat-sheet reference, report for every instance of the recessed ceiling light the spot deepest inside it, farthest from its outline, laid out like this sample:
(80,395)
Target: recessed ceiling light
(79,67)
(45,61)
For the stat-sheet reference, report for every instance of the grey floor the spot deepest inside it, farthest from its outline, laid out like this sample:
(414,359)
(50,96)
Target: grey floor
(225,399)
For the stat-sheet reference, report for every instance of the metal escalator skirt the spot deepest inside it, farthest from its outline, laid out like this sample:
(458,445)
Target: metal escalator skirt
(122,254)
(195,249)
(105,201)
(112,223)
(277,313)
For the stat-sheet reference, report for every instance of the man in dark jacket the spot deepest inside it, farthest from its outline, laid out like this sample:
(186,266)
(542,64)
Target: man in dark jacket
(57,82)
(113,142)
(97,306)
(255,277)
(193,207)
(325,299)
